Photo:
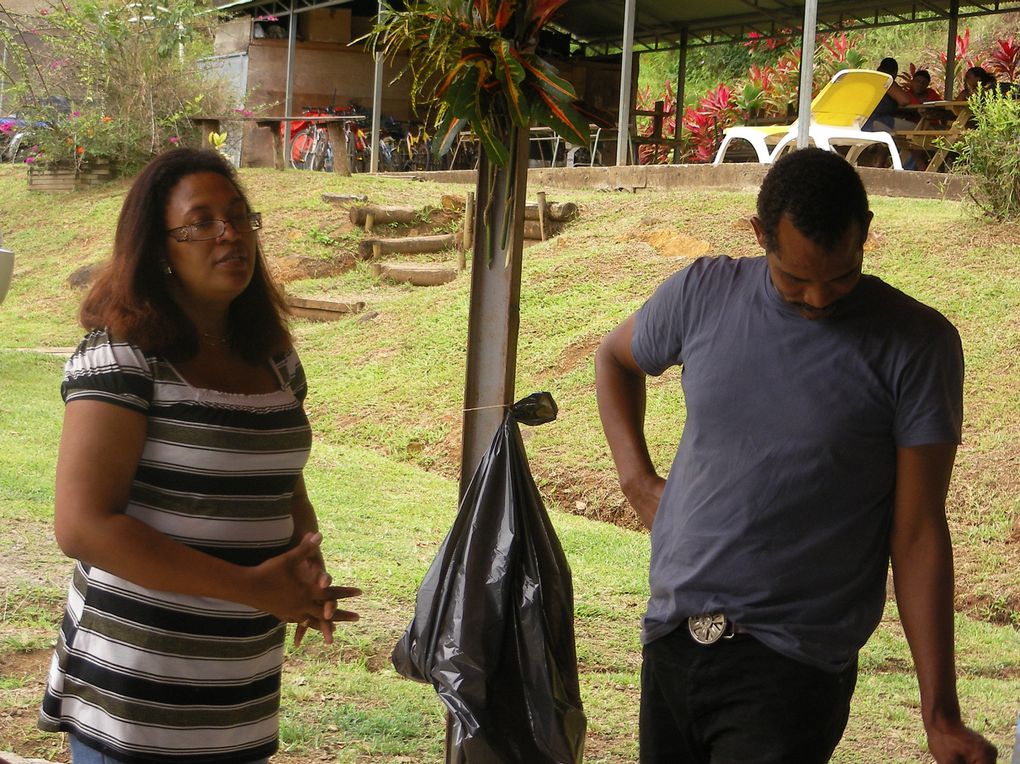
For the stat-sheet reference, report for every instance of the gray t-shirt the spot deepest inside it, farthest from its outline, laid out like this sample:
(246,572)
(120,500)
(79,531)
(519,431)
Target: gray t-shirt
(778,504)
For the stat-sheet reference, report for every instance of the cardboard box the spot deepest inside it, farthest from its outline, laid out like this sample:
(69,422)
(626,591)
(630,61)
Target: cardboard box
(232,36)
(326,25)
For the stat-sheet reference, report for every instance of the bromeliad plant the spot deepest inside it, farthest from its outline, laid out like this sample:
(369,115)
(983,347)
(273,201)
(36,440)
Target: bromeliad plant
(478,60)
(475,64)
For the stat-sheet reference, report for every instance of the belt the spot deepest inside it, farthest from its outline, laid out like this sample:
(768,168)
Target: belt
(709,628)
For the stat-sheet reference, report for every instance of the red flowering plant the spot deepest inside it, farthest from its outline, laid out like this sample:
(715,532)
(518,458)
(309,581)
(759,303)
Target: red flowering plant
(1004,59)
(704,122)
(836,53)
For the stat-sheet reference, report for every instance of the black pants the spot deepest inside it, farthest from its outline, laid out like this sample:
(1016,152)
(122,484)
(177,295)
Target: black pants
(738,701)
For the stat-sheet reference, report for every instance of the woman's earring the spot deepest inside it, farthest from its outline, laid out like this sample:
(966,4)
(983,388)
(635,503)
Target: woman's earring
(167,270)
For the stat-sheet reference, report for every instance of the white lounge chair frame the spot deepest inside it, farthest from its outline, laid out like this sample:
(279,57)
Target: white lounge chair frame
(770,141)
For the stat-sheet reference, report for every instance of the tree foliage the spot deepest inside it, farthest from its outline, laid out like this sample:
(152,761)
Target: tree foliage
(990,153)
(115,80)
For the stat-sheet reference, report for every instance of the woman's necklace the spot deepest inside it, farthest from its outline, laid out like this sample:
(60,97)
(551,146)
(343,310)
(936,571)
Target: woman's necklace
(215,340)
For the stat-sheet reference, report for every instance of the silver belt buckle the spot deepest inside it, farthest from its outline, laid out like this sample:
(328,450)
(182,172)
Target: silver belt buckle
(708,628)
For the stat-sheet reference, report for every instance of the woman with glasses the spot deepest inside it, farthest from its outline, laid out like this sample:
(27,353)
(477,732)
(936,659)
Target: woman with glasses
(179,487)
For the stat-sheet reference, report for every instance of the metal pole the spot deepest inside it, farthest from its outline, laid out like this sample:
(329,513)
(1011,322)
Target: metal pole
(626,68)
(495,304)
(954,19)
(493,322)
(807,71)
(681,86)
(288,97)
(376,105)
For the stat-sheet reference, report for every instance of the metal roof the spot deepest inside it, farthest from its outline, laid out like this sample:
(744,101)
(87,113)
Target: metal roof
(597,25)
(660,23)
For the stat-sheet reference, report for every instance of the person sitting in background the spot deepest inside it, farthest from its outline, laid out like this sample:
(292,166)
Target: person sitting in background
(976,79)
(884,116)
(921,89)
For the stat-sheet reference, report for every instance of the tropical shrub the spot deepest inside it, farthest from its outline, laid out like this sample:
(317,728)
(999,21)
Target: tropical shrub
(478,60)
(990,152)
(114,80)
(1004,59)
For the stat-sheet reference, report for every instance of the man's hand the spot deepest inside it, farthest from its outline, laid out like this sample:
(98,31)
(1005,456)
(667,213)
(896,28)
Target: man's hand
(958,744)
(644,495)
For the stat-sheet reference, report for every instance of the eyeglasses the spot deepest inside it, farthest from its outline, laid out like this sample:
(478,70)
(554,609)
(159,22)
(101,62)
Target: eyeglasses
(214,229)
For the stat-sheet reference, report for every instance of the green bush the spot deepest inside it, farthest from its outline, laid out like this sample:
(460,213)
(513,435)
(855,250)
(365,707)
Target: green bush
(990,152)
(113,80)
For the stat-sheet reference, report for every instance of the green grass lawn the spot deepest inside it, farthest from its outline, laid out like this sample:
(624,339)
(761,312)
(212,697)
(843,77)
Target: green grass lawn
(385,400)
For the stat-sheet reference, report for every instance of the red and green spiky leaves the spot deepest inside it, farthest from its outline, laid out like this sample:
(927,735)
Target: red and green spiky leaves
(504,13)
(553,104)
(542,11)
(511,76)
(561,116)
(546,77)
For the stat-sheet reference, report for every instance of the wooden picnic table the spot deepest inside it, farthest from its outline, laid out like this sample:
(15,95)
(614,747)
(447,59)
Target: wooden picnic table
(334,128)
(939,125)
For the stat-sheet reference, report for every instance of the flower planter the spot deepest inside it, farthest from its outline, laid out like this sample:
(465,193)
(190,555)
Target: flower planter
(67,178)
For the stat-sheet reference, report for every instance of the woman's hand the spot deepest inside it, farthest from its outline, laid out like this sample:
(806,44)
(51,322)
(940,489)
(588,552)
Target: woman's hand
(295,587)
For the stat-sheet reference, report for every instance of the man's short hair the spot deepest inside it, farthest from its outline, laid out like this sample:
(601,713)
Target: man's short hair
(923,73)
(819,190)
(889,66)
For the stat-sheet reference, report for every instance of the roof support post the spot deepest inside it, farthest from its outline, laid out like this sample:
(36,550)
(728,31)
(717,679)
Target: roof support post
(626,70)
(288,96)
(807,72)
(681,85)
(954,19)
(494,316)
(373,166)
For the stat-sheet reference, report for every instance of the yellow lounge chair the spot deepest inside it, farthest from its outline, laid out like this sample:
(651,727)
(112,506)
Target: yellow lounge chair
(838,113)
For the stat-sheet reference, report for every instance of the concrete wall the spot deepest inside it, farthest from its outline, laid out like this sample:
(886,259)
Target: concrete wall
(324,74)
(320,69)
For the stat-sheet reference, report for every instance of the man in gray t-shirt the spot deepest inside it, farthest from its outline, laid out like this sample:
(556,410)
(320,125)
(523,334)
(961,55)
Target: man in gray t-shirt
(823,412)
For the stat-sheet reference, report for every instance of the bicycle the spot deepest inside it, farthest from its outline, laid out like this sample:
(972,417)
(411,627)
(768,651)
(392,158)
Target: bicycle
(310,147)
(419,153)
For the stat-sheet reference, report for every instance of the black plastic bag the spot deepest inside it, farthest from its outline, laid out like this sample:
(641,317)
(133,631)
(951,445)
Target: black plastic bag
(493,627)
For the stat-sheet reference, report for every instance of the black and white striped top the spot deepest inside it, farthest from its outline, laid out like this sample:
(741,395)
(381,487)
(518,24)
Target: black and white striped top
(147,675)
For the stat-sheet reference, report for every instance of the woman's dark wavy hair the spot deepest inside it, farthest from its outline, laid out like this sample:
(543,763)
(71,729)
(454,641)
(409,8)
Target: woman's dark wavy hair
(820,191)
(131,299)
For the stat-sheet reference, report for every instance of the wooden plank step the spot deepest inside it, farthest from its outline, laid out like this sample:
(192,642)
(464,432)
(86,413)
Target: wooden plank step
(323,310)
(344,198)
(416,274)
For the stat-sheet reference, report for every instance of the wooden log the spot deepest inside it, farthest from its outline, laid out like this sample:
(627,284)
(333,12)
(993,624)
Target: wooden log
(405,215)
(416,274)
(338,142)
(406,245)
(322,310)
(558,211)
(533,230)
(542,210)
